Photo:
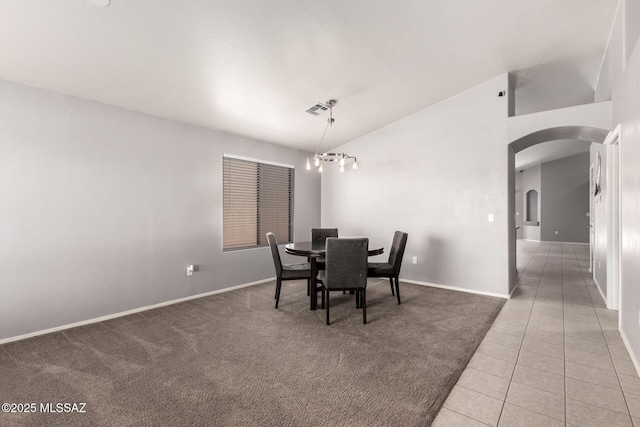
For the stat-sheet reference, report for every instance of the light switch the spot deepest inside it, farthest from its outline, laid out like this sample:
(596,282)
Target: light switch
(491,218)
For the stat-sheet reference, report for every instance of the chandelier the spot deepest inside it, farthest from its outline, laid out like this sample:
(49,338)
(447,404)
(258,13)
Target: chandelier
(319,158)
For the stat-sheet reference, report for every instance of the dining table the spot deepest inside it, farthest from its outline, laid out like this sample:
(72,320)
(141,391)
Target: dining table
(315,250)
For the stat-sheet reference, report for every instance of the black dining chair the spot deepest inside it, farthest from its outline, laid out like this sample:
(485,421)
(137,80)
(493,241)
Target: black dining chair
(346,270)
(391,269)
(320,235)
(286,271)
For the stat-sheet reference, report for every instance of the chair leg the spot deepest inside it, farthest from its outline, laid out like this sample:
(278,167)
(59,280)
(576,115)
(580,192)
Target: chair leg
(364,305)
(322,291)
(328,306)
(398,289)
(278,286)
(308,281)
(391,284)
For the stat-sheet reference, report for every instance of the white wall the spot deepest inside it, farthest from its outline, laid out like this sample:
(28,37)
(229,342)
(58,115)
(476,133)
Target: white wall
(103,208)
(631,27)
(531,180)
(519,205)
(436,174)
(612,62)
(626,102)
(620,80)
(596,115)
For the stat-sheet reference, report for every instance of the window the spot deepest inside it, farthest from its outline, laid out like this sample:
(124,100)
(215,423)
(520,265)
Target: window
(257,198)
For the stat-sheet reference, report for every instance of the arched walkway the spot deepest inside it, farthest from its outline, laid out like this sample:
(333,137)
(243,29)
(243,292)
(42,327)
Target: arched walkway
(582,133)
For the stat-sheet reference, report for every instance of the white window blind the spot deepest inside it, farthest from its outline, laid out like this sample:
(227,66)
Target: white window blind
(257,198)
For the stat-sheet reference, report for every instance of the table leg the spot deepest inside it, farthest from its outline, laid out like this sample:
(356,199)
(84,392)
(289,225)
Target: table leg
(314,285)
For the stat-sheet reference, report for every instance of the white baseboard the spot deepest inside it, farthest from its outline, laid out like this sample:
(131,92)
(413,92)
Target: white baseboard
(630,351)
(604,298)
(125,313)
(455,288)
(554,241)
(568,243)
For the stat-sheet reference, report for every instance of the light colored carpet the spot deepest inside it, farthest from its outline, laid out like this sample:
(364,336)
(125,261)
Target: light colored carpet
(233,360)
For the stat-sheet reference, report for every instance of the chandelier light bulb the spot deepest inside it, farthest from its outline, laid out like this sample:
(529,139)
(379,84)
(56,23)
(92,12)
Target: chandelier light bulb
(341,168)
(320,168)
(317,162)
(355,165)
(308,164)
(342,161)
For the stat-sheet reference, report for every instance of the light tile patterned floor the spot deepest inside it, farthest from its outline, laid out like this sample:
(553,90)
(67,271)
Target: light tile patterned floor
(553,357)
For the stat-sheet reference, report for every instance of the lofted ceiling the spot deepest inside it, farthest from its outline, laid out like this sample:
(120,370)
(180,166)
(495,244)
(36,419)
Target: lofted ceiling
(252,67)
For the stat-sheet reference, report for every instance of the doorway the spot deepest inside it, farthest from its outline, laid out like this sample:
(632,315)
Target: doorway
(581,133)
(611,194)
(592,214)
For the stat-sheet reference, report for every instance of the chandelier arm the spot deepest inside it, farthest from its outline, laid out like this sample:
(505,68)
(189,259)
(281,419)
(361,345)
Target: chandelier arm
(322,139)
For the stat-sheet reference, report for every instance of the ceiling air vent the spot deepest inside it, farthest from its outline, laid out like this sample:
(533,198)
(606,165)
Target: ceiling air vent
(317,108)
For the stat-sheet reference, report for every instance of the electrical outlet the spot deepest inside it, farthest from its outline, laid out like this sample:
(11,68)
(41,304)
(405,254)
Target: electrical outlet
(556,232)
(491,218)
(415,259)
(190,270)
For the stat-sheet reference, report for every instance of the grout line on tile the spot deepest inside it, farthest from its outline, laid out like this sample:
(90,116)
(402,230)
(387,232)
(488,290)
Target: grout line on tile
(528,318)
(466,416)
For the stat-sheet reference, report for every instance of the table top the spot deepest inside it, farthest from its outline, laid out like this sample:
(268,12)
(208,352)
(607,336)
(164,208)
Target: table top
(319,249)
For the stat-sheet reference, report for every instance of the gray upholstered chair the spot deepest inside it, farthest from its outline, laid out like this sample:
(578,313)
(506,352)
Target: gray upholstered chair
(391,269)
(346,270)
(320,235)
(286,271)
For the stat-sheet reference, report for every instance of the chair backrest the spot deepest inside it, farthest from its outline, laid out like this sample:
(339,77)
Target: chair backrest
(397,250)
(321,234)
(346,263)
(273,245)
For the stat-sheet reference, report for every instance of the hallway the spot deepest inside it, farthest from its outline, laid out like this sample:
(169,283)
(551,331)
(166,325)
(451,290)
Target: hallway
(553,356)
